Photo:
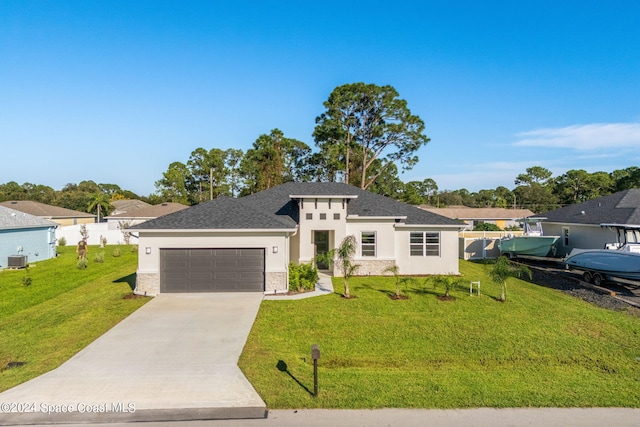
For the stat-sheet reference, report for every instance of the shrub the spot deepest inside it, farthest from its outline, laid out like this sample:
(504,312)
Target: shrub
(117,252)
(62,241)
(134,249)
(99,257)
(82,264)
(302,277)
(486,226)
(26,280)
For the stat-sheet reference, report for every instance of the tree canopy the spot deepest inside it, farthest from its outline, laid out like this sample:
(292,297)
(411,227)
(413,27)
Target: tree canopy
(366,129)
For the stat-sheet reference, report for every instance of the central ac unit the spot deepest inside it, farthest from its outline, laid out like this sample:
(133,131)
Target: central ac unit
(17,261)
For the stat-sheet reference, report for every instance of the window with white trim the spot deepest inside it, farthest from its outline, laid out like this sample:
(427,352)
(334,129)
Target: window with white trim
(424,243)
(368,239)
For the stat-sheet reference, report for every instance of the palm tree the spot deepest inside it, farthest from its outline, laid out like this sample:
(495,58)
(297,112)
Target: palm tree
(345,253)
(502,270)
(99,201)
(448,281)
(395,270)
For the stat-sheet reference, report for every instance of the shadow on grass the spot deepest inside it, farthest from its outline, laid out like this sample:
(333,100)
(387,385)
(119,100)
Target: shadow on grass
(129,280)
(282,367)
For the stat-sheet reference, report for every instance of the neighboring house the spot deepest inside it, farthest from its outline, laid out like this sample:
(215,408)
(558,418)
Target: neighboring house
(111,229)
(501,217)
(128,206)
(246,244)
(62,216)
(579,225)
(142,214)
(26,235)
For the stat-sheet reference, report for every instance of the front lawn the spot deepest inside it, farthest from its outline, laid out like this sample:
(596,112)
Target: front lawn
(62,310)
(540,348)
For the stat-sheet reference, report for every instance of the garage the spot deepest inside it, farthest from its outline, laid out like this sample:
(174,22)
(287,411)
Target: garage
(212,270)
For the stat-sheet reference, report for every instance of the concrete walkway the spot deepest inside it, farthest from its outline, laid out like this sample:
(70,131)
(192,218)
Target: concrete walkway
(323,287)
(173,359)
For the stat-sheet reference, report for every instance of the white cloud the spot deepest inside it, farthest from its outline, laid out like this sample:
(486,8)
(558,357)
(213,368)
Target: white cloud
(584,137)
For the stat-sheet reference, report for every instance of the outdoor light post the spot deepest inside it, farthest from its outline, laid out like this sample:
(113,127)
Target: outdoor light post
(315,355)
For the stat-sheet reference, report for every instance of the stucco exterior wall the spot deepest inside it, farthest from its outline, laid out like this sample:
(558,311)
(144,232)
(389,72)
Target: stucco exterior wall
(37,244)
(275,245)
(580,236)
(445,263)
(316,207)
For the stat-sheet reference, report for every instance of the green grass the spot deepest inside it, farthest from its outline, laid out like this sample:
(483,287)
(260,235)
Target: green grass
(62,310)
(540,348)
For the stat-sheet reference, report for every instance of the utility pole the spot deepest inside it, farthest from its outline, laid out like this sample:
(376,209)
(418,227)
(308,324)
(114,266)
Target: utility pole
(210,183)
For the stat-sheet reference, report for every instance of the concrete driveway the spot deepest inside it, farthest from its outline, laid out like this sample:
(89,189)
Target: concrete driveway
(173,359)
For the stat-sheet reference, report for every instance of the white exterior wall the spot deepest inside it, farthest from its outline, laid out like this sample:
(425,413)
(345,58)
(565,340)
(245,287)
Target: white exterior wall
(276,263)
(385,237)
(581,236)
(71,234)
(337,228)
(446,263)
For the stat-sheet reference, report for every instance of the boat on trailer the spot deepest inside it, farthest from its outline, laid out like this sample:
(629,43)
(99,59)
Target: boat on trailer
(533,243)
(619,260)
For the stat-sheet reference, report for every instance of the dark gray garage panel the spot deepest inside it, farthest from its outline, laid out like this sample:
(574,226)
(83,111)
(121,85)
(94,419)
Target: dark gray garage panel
(211,270)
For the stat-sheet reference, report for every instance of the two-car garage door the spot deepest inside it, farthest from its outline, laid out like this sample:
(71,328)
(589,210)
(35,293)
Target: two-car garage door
(211,270)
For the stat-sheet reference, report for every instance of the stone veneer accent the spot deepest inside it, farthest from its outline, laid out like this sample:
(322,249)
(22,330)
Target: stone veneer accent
(373,267)
(147,284)
(275,282)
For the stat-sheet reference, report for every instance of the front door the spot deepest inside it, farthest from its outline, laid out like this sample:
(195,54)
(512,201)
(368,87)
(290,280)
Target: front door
(321,239)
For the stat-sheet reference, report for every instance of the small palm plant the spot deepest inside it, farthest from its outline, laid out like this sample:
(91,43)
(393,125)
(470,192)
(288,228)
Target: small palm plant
(449,282)
(395,270)
(502,270)
(343,256)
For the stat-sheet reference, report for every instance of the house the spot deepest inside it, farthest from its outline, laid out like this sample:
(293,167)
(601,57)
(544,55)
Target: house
(24,235)
(246,244)
(141,214)
(62,216)
(579,224)
(501,217)
(128,206)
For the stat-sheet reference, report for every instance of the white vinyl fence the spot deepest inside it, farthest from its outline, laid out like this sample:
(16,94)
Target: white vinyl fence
(96,231)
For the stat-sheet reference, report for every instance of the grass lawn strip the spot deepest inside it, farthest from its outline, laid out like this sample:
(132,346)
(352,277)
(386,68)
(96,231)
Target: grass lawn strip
(49,331)
(540,348)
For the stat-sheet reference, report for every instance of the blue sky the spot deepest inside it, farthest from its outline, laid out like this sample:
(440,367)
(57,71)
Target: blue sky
(114,91)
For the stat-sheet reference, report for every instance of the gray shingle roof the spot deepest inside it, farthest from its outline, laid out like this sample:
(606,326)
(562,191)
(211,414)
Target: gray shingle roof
(151,211)
(14,219)
(274,208)
(619,208)
(221,213)
(44,210)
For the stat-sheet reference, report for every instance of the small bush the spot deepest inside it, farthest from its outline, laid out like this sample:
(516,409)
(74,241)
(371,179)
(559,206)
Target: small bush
(99,257)
(82,264)
(26,280)
(62,241)
(302,277)
(134,249)
(117,252)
